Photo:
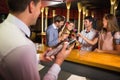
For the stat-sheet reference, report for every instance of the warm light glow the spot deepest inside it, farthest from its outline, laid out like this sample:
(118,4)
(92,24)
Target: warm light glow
(79,6)
(46,17)
(68,4)
(53,13)
(84,10)
(46,11)
(79,13)
(50,2)
(92,14)
(112,6)
(112,2)
(42,9)
(115,6)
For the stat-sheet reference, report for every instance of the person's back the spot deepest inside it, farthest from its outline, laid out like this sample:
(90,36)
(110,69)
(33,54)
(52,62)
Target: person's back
(14,45)
(9,31)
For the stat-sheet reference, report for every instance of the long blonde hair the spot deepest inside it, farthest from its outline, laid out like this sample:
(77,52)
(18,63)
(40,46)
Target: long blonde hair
(112,24)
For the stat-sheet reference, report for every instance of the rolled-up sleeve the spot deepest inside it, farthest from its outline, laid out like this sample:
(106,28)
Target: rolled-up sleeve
(53,72)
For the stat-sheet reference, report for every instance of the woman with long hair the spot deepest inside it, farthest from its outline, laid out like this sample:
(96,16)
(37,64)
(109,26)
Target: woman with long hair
(109,37)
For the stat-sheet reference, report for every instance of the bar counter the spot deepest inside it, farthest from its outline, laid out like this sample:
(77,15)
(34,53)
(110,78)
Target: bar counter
(93,65)
(102,60)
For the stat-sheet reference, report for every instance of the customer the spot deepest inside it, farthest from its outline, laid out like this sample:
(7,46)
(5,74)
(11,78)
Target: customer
(109,37)
(67,28)
(17,52)
(52,35)
(88,37)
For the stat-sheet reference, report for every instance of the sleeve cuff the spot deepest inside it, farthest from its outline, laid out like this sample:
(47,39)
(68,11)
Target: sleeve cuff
(55,69)
(38,57)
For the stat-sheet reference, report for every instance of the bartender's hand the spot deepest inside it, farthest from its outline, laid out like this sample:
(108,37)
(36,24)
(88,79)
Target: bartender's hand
(45,58)
(63,54)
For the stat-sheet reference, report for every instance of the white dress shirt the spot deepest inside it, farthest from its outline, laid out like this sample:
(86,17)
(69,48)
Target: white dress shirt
(90,35)
(13,44)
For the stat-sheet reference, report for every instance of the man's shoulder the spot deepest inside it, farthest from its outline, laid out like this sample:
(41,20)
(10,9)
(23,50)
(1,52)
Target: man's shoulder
(117,35)
(83,31)
(94,30)
(50,27)
(11,38)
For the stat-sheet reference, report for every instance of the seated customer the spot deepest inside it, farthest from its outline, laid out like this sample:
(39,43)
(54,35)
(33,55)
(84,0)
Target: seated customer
(109,37)
(88,37)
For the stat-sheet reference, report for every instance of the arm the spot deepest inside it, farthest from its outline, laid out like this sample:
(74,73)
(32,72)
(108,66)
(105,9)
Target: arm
(92,42)
(117,41)
(53,72)
(108,51)
(117,48)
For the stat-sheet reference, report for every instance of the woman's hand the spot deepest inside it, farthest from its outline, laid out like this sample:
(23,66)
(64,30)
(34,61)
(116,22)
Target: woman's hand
(97,50)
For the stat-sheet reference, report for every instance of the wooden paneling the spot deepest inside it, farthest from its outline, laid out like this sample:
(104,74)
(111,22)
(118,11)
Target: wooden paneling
(3,7)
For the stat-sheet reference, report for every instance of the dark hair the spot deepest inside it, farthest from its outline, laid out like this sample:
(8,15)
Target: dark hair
(59,18)
(19,5)
(91,19)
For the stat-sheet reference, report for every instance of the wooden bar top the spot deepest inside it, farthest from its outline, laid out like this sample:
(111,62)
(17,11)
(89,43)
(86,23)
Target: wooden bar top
(100,60)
